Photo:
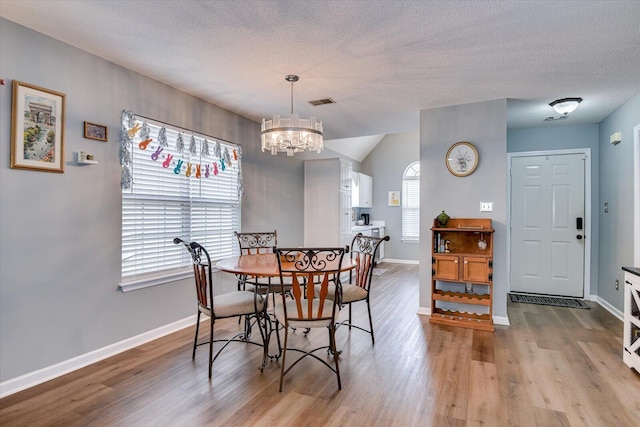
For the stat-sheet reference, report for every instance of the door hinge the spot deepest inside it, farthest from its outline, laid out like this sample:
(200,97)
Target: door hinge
(433,260)
(490,263)
(491,277)
(433,272)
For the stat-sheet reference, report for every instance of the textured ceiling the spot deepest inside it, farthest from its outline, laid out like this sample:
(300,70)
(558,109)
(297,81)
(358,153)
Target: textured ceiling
(381,61)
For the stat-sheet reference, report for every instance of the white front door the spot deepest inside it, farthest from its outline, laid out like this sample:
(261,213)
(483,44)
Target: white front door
(547,224)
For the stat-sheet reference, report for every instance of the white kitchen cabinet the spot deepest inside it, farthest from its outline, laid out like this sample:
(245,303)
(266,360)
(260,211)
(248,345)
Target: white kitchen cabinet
(366,191)
(361,190)
(345,218)
(346,174)
(327,202)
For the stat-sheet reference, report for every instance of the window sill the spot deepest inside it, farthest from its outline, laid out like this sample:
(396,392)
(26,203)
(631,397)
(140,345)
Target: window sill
(410,240)
(149,281)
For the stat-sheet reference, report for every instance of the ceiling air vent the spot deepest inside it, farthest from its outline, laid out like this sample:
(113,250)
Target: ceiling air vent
(551,118)
(322,102)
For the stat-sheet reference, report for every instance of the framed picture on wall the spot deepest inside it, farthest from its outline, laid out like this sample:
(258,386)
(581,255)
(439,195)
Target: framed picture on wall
(37,128)
(394,198)
(95,131)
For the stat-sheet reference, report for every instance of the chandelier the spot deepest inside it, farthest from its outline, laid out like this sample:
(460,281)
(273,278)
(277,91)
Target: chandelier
(291,135)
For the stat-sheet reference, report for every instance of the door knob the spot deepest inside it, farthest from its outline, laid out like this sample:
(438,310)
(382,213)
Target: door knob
(579,237)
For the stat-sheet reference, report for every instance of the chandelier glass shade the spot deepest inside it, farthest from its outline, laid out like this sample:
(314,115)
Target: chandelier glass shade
(291,134)
(566,105)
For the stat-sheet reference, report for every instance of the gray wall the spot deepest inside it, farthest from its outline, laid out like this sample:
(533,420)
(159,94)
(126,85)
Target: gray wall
(484,125)
(60,233)
(616,188)
(562,137)
(386,164)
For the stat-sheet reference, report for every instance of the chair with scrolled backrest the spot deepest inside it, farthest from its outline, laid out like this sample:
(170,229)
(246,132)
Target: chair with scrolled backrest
(309,307)
(253,243)
(232,304)
(261,242)
(358,288)
(257,242)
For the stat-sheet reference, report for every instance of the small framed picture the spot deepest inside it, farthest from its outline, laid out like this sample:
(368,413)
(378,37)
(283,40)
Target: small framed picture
(394,198)
(95,131)
(37,128)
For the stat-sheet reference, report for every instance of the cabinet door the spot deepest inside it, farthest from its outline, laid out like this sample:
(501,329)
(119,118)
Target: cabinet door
(355,189)
(366,191)
(345,175)
(345,218)
(475,269)
(446,267)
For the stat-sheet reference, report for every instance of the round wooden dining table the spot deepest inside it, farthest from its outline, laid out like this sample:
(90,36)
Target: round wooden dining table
(263,265)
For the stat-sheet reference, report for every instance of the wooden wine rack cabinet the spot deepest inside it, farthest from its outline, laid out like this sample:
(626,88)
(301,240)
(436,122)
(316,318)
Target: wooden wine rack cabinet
(462,273)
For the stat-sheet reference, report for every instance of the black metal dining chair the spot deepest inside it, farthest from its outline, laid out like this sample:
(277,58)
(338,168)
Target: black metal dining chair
(231,304)
(358,287)
(250,243)
(309,307)
(253,243)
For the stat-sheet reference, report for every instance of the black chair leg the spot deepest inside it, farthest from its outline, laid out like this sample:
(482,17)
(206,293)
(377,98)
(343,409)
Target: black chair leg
(195,339)
(211,346)
(332,343)
(373,340)
(242,280)
(284,354)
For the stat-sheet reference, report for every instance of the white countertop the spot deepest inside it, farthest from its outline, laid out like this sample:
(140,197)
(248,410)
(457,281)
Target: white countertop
(371,226)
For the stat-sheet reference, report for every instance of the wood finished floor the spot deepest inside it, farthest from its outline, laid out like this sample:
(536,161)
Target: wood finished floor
(552,367)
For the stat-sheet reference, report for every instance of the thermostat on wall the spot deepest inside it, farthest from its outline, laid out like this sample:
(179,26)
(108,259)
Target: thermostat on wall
(615,138)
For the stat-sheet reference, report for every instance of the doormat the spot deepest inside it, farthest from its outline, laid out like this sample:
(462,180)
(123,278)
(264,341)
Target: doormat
(379,271)
(560,302)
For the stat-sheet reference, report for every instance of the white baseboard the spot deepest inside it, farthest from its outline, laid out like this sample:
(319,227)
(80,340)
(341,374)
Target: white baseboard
(501,320)
(424,311)
(401,261)
(611,309)
(40,376)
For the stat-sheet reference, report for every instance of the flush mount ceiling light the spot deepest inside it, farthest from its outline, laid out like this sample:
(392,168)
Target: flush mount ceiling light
(566,105)
(291,135)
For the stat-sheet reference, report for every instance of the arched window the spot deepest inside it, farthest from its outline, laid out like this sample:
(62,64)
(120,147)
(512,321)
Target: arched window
(411,203)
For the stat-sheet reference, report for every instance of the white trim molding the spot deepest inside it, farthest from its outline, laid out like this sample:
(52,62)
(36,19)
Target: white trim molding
(424,311)
(610,308)
(401,261)
(501,320)
(40,376)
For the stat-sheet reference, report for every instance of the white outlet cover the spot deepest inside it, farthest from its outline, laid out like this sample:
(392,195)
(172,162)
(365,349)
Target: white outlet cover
(486,206)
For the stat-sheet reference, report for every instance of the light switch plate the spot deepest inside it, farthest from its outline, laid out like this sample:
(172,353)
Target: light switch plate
(486,206)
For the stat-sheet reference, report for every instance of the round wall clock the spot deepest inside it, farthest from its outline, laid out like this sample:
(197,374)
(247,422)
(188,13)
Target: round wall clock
(462,159)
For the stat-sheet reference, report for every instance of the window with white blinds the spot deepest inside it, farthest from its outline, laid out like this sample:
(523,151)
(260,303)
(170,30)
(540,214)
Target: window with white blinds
(173,194)
(411,203)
